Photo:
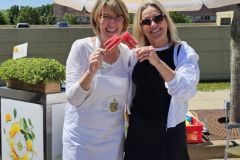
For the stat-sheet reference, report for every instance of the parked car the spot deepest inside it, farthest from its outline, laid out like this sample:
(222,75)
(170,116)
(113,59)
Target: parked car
(22,25)
(62,24)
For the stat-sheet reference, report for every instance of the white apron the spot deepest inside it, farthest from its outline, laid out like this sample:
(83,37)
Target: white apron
(96,128)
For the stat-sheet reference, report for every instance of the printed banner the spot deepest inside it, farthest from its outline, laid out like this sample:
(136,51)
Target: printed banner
(20,51)
(21,130)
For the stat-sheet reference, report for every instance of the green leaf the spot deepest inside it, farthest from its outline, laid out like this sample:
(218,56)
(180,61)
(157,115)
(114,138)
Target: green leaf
(30,136)
(25,126)
(14,113)
(21,123)
(33,135)
(29,122)
(26,137)
(22,131)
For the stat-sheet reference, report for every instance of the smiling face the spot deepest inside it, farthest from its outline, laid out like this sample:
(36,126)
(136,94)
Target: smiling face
(156,32)
(109,23)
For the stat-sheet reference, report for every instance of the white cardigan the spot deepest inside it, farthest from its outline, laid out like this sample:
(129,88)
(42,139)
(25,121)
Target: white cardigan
(182,88)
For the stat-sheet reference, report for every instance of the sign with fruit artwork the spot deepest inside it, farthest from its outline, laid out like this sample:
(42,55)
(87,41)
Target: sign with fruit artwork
(20,51)
(22,130)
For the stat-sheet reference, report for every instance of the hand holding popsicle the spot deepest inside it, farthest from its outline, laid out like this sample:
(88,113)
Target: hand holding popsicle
(96,60)
(115,40)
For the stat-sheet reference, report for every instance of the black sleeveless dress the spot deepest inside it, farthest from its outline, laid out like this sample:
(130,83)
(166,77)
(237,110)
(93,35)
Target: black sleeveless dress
(148,136)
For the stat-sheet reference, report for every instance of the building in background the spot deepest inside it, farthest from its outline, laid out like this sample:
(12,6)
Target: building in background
(83,17)
(224,18)
(204,15)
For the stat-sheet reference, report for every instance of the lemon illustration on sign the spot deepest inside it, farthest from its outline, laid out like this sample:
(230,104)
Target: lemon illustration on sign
(20,146)
(20,136)
(15,128)
(17,49)
(8,117)
(113,105)
(29,145)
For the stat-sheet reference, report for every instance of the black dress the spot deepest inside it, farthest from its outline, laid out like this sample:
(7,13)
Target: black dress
(148,136)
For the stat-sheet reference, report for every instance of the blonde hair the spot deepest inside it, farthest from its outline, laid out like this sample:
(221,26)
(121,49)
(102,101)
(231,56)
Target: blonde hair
(116,6)
(137,29)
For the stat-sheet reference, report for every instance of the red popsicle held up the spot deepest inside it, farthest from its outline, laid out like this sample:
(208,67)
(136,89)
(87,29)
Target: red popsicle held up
(112,42)
(129,40)
(115,40)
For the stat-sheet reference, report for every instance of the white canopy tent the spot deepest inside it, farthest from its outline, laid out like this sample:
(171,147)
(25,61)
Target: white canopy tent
(170,5)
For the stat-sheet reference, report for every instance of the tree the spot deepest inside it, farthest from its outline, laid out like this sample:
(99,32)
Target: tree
(2,19)
(46,12)
(13,13)
(51,19)
(235,66)
(178,17)
(5,15)
(29,15)
(70,18)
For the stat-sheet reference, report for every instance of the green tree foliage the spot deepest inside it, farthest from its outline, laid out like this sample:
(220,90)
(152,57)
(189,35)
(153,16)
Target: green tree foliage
(2,19)
(51,19)
(178,17)
(13,13)
(70,18)
(29,15)
(5,15)
(46,12)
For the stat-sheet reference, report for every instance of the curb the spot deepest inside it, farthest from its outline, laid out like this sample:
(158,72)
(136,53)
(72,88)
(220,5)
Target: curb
(210,150)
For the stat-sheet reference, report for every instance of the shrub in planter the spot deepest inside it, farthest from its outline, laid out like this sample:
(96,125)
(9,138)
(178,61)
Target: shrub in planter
(33,74)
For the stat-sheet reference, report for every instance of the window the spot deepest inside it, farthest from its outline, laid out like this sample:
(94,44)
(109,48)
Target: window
(22,25)
(62,24)
(225,21)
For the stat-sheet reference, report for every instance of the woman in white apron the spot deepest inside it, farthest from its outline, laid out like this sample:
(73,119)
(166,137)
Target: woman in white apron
(97,86)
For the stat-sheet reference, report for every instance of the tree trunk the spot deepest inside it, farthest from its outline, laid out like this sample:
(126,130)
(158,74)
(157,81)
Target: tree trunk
(235,66)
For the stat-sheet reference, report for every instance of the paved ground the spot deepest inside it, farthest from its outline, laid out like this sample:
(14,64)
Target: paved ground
(209,100)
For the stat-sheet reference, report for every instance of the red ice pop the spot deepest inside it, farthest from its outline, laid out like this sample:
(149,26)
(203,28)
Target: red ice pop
(110,39)
(129,40)
(112,42)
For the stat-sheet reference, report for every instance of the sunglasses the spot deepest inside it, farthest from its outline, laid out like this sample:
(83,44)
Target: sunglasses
(156,19)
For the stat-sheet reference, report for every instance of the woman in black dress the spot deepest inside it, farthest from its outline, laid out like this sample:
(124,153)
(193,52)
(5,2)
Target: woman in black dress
(165,75)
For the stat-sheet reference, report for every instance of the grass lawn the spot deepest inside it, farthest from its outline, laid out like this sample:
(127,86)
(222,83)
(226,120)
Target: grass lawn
(212,86)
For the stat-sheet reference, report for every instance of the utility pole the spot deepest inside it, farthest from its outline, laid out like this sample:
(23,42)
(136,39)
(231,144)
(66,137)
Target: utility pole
(235,66)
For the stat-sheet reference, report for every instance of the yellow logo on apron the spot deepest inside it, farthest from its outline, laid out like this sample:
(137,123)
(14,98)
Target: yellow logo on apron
(113,105)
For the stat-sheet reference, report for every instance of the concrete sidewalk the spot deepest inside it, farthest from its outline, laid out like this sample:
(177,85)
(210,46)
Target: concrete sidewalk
(209,100)
(212,150)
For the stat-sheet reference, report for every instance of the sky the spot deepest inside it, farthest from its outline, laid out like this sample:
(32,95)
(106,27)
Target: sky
(6,4)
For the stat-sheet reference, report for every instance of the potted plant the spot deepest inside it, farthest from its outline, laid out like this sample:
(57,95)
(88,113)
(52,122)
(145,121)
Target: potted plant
(33,74)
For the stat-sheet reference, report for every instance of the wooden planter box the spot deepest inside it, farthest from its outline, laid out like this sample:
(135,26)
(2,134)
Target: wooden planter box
(41,87)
